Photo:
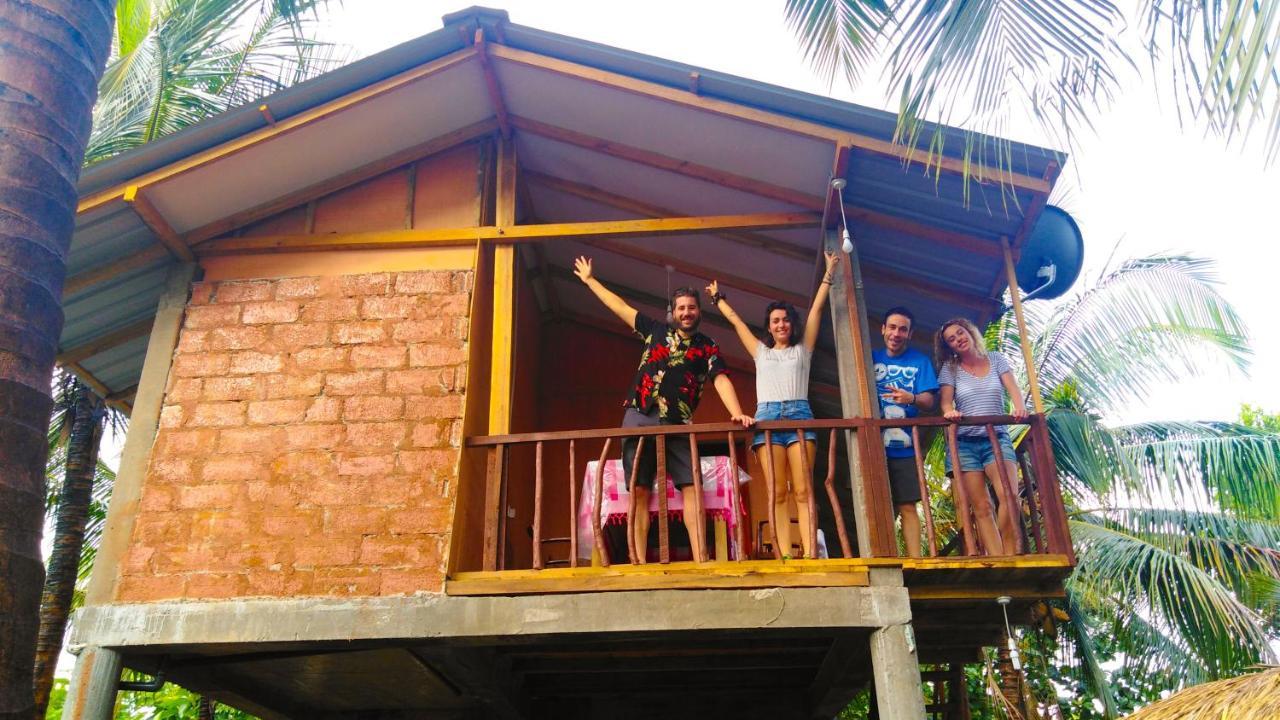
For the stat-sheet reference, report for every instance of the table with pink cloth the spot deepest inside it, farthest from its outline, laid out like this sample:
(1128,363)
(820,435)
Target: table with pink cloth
(717,500)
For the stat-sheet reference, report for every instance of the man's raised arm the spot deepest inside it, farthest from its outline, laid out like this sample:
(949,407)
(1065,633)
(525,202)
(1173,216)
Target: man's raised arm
(619,307)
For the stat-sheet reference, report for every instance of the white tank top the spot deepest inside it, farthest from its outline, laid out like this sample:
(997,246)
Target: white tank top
(782,373)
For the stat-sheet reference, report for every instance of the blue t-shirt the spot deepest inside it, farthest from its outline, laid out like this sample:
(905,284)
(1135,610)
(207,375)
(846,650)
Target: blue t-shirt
(910,371)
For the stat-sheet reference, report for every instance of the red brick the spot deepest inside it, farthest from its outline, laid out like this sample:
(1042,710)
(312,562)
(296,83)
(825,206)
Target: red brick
(172,443)
(419,463)
(363,382)
(203,317)
(252,362)
(412,581)
(297,523)
(359,581)
(355,520)
(461,281)
(423,281)
(447,406)
(452,305)
(324,410)
(367,284)
(275,493)
(429,519)
(408,331)
(376,435)
(412,382)
(322,358)
(366,464)
(378,356)
(297,335)
(236,337)
(261,440)
(162,527)
(297,287)
(275,311)
(146,588)
(201,365)
(233,388)
(277,412)
(171,470)
(455,434)
(183,390)
(217,414)
(138,560)
(232,467)
(430,434)
(218,525)
(202,293)
(330,310)
(364,331)
(325,553)
(251,291)
(461,328)
(208,497)
(214,585)
(373,408)
(172,416)
(265,583)
(436,354)
(293,385)
(387,308)
(258,554)
(303,465)
(314,437)
(193,341)
(399,550)
(331,491)
(157,498)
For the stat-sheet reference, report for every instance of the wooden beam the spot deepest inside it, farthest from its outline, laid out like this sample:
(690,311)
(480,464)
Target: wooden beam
(1028,358)
(434,146)
(839,169)
(491,84)
(502,357)
(163,230)
(643,209)
(503,234)
(89,278)
(88,379)
(296,122)
(105,342)
(755,116)
(896,277)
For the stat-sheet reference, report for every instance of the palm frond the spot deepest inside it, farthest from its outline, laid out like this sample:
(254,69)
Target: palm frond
(838,37)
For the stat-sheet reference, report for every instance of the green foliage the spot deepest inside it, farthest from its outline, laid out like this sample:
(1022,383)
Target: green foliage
(1252,416)
(171,702)
(57,698)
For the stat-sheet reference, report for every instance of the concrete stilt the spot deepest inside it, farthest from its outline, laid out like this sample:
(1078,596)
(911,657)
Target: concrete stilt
(896,670)
(92,693)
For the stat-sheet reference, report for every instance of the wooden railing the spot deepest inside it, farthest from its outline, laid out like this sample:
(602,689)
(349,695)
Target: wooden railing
(1043,526)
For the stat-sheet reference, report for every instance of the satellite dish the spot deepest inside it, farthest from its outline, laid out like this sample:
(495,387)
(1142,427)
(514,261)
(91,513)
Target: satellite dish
(1051,257)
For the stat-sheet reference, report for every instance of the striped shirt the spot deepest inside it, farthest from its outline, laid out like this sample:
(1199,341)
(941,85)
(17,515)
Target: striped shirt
(977,395)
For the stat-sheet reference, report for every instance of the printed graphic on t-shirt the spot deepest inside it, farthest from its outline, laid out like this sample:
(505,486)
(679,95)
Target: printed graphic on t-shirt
(901,377)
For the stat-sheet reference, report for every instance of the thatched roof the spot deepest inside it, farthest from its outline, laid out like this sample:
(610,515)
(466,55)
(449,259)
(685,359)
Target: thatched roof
(1249,697)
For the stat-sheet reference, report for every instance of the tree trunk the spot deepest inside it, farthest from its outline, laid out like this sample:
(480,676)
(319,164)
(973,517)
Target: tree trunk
(207,707)
(68,536)
(51,55)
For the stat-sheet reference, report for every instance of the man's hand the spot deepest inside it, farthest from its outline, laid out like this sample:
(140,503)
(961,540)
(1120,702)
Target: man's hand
(953,414)
(582,268)
(899,396)
(746,420)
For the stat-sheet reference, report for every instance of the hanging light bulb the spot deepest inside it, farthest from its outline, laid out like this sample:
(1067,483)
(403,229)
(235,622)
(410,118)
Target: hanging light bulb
(838,184)
(1014,658)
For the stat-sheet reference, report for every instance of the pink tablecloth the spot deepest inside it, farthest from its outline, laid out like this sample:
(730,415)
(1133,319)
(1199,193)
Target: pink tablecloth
(717,499)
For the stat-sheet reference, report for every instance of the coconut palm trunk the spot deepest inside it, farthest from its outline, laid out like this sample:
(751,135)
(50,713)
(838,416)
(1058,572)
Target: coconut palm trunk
(53,52)
(87,413)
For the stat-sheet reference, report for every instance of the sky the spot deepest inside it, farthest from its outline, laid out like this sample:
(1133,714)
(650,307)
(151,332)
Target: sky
(1139,179)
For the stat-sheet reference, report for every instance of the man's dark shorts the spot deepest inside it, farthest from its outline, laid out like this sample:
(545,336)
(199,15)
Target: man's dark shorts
(904,484)
(679,464)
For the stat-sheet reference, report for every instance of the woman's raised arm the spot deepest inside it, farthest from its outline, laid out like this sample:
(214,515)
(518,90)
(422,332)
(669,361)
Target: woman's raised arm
(811,326)
(748,340)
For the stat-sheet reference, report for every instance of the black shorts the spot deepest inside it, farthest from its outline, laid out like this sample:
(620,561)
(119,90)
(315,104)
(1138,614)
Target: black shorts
(679,461)
(904,485)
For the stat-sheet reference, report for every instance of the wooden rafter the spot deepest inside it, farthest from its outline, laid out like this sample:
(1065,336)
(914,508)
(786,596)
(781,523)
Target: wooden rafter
(685,98)
(288,125)
(1034,209)
(631,205)
(925,287)
(423,150)
(142,258)
(506,234)
(151,216)
(105,342)
(491,83)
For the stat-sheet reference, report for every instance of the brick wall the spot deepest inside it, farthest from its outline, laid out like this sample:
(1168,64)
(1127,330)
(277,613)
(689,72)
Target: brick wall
(309,440)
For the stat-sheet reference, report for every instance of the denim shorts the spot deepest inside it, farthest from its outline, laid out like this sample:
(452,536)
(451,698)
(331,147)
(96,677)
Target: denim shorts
(976,452)
(783,410)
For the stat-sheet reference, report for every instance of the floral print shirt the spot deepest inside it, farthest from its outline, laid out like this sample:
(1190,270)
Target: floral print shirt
(672,371)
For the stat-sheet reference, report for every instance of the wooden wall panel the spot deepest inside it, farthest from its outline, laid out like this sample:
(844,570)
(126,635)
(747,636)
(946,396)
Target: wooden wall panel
(376,204)
(290,222)
(447,189)
(468,514)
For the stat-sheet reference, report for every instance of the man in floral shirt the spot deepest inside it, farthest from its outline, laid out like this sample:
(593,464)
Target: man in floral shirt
(677,361)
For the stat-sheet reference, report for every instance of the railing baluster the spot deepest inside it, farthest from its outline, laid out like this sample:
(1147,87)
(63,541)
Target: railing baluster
(697,549)
(1033,502)
(924,492)
(846,549)
(1010,492)
(503,504)
(812,502)
(1058,532)
(573,508)
(493,506)
(537,506)
(596,535)
(736,509)
(660,478)
(632,550)
(962,497)
(769,480)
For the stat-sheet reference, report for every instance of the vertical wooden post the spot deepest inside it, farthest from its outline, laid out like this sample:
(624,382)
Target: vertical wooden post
(1027,358)
(772,491)
(736,509)
(573,508)
(632,550)
(812,539)
(1033,503)
(846,550)
(596,534)
(660,487)
(924,492)
(493,509)
(699,549)
(537,506)
(502,351)
(962,497)
(1010,491)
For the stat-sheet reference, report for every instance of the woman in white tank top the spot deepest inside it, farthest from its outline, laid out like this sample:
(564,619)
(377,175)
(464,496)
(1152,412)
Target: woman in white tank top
(782,393)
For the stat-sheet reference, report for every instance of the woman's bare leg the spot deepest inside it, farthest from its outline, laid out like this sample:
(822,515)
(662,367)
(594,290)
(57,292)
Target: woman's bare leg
(975,486)
(801,486)
(697,531)
(781,506)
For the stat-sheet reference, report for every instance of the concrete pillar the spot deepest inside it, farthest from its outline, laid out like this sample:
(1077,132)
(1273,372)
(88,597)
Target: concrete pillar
(92,691)
(899,694)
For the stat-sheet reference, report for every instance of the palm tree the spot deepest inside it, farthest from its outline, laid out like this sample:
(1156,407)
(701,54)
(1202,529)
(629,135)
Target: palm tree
(1176,524)
(979,63)
(54,52)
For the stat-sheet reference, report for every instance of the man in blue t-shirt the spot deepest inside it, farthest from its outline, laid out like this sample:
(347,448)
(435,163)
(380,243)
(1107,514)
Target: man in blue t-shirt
(906,384)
